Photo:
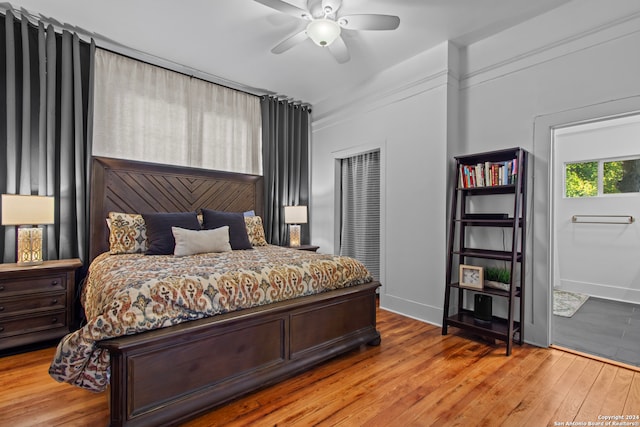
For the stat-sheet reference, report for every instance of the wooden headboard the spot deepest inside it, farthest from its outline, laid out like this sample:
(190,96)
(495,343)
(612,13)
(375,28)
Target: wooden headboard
(139,187)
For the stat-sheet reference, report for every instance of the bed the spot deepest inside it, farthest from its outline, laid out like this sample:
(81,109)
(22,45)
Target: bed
(169,374)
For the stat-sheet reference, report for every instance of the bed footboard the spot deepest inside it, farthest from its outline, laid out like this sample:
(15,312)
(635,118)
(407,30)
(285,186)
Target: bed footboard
(167,376)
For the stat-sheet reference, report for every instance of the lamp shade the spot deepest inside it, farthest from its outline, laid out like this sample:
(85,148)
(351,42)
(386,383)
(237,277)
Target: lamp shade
(20,209)
(295,214)
(323,32)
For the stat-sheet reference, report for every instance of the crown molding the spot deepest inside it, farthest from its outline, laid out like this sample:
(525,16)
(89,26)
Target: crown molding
(601,34)
(371,100)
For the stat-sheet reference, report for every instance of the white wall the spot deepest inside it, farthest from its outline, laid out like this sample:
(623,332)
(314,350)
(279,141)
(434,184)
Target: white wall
(572,64)
(405,113)
(575,62)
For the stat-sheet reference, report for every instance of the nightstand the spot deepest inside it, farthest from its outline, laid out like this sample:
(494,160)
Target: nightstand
(36,302)
(311,248)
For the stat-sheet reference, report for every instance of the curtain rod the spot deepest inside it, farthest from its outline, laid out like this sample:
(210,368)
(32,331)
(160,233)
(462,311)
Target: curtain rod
(116,47)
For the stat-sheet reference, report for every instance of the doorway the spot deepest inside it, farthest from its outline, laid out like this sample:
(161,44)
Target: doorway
(596,238)
(359,223)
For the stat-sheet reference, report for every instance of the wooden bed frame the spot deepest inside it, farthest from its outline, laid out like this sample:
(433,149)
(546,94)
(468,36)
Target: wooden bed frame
(166,376)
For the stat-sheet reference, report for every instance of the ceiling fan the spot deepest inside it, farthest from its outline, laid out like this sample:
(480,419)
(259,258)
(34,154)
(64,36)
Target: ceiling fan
(325,25)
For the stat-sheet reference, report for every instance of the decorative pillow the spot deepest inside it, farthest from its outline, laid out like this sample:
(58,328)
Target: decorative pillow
(249,213)
(255,230)
(237,228)
(127,233)
(159,234)
(191,242)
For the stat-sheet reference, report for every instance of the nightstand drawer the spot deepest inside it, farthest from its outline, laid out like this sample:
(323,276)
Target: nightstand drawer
(25,325)
(32,284)
(37,302)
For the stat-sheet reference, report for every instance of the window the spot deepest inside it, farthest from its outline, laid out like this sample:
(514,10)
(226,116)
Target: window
(621,176)
(602,177)
(144,112)
(581,179)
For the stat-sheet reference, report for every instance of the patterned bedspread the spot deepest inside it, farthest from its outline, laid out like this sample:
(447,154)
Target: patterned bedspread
(127,294)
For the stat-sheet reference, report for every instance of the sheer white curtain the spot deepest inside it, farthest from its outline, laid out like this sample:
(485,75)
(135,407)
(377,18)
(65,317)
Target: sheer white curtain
(148,113)
(227,124)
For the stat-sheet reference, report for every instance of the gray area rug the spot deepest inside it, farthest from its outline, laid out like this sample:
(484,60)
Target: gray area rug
(566,304)
(604,328)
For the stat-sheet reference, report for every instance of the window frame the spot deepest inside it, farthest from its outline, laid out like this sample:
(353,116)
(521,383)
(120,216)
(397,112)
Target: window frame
(600,177)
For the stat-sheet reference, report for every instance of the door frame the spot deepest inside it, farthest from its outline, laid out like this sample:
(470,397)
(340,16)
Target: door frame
(540,302)
(338,156)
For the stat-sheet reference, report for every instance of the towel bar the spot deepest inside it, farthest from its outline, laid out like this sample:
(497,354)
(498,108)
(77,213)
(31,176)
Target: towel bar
(603,219)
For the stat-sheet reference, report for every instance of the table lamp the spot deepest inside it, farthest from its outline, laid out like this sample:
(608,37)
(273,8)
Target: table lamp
(294,216)
(27,212)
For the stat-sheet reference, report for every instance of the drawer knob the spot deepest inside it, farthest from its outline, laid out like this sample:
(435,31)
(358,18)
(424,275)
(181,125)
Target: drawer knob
(1,328)
(54,301)
(1,288)
(54,320)
(1,308)
(54,283)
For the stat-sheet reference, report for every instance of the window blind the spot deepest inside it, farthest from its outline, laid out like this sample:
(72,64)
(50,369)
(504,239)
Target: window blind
(360,210)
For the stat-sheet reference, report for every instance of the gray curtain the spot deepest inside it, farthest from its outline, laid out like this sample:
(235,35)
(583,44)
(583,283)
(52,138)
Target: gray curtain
(45,128)
(285,164)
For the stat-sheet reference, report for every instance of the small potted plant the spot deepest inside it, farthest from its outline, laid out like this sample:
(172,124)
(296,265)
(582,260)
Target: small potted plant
(497,278)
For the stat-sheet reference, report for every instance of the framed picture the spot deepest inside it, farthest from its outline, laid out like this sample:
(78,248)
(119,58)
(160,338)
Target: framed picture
(471,277)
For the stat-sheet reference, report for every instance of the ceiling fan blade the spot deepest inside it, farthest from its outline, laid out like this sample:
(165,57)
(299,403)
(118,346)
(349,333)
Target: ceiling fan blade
(331,6)
(285,7)
(369,22)
(339,50)
(290,42)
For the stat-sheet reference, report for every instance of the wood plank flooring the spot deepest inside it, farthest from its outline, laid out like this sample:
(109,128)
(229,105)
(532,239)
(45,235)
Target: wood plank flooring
(416,377)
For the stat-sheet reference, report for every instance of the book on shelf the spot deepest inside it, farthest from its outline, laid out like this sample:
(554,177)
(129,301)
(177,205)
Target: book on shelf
(488,174)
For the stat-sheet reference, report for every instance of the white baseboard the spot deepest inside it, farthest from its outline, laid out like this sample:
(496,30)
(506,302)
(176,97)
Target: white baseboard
(412,309)
(600,290)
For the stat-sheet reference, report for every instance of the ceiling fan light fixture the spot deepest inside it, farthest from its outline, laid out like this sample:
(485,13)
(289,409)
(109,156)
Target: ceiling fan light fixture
(323,32)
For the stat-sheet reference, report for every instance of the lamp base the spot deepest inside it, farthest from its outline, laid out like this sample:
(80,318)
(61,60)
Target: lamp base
(294,235)
(29,246)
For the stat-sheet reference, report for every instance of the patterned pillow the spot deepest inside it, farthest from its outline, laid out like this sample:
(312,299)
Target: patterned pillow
(255,230)
(128,233)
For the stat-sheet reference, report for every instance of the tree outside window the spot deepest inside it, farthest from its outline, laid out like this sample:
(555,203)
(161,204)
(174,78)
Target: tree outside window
(581,179)
(619,176)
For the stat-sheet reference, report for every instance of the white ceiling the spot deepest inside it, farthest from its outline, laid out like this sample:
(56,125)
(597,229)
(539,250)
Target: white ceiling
(232,39)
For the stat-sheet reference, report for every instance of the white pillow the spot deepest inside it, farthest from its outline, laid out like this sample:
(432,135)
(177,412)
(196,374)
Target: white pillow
(190,242)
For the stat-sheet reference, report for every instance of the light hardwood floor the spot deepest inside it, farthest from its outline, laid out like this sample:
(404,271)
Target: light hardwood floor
(416,377)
